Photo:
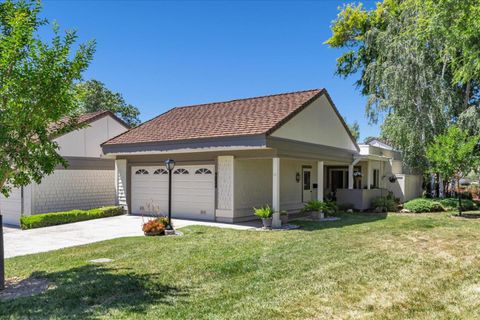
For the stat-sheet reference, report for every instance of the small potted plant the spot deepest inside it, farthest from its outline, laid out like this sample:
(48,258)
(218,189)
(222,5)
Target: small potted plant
(154,227)
(284,217)
(265,213)
(317,209)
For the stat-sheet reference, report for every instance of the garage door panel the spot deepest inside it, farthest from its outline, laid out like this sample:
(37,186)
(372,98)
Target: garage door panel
(193,194)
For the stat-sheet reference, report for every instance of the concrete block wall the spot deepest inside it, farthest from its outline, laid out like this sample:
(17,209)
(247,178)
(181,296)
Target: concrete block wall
(74,189)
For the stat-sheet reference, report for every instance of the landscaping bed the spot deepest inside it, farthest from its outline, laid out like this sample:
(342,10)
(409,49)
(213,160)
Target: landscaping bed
(56,218)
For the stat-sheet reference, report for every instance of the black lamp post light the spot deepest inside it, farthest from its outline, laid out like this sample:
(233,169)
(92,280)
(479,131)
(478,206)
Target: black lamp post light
(169,164)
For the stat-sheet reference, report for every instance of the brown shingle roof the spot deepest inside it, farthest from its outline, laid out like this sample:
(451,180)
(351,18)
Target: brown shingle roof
(251,116)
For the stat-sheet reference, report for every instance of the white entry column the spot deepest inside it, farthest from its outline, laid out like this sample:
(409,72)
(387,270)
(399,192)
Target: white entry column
(320,180)
(369,175)
(276,223)
(350,176)
(121,177)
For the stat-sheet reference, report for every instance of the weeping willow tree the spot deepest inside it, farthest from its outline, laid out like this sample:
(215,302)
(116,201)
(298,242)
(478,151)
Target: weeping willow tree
(418,64)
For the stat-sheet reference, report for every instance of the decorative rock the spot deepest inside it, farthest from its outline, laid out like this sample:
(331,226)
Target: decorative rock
(101,260)
(350,211)
(405,211)
(170,232)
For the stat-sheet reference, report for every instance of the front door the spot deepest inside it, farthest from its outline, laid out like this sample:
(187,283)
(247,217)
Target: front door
(307,184)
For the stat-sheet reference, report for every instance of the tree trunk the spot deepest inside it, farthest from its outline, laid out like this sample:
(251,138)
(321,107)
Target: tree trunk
(459,194)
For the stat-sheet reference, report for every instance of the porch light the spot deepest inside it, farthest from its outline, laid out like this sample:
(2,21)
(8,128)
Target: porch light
(297,177)
(169,164)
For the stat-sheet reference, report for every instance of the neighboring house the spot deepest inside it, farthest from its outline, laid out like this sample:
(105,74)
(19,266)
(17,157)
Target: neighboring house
(87,182)
(283,150)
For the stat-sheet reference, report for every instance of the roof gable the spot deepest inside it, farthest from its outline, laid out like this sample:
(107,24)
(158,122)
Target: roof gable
(318,123)
(251,116)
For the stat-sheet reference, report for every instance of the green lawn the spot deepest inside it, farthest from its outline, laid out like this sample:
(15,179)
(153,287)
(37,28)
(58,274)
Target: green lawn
(361,267)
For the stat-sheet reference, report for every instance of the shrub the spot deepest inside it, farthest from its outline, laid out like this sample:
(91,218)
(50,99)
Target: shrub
(154,226)
(56,218)
(450,204)
(423,205)
(264,212)
(316,205)
(388,203)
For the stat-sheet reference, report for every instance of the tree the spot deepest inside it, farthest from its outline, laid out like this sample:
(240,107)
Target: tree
(36,90)
(93,96)
(453,154)
(418,65)
(354,130)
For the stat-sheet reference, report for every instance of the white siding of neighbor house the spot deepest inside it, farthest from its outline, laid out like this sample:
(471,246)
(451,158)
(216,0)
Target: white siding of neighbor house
(74,189)
(86,141)
(319,124)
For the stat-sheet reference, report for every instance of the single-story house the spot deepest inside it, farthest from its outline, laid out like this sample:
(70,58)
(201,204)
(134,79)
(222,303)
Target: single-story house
(87,182)
(283,150)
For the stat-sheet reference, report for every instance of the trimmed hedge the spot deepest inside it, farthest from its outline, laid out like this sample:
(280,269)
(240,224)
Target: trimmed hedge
(423,205)
(56,218)
(437,205)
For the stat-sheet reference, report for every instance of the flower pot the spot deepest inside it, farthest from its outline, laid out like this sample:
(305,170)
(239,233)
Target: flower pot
(153,233)
(284,219)
(267,223)
(318,215)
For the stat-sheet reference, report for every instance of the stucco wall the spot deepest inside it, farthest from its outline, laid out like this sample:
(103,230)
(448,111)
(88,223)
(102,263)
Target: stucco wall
(74,189)
(406,187)
(86,141)
(253,184)
(319,124)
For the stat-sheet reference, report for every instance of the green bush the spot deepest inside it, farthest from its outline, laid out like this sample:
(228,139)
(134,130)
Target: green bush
(55,218)
(263,212)
(316,205)
(388,203)
(423,205)
(450,204)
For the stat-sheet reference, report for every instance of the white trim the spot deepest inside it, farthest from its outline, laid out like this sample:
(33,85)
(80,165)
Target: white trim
(320,169)
(276,192)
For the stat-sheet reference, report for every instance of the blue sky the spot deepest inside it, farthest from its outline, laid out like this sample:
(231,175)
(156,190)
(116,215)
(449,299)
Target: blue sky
(162,54)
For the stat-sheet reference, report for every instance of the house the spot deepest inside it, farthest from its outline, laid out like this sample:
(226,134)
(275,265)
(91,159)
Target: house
(87,182)
(378,169)
(283,150)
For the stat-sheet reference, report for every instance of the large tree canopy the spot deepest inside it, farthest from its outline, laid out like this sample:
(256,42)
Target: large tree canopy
(93,96)
(36,89)
(418,63)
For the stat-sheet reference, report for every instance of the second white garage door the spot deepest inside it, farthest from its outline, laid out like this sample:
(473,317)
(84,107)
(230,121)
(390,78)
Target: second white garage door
(11,207)
(193,191)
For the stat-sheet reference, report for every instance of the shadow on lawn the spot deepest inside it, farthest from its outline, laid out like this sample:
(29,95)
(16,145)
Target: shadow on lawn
(89,291)
(346,219)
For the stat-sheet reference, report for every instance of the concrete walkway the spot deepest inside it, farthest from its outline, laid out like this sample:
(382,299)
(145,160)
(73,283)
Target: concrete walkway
(19,242)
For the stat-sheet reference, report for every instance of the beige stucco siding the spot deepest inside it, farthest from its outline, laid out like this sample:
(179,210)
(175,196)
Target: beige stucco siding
(319,124)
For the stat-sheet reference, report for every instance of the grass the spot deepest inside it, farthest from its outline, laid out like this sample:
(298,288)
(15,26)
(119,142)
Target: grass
(361,267)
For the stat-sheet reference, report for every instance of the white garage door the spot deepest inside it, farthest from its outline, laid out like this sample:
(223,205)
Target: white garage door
(11,207)
(193,191)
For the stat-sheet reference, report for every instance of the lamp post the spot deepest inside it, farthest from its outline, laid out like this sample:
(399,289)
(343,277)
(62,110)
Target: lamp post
(169,164)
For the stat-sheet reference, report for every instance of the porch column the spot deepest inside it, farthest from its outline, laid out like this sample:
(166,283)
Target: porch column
(276,192)
(225,210)
(121,188)
(350,176)
(320,180)
(369,176)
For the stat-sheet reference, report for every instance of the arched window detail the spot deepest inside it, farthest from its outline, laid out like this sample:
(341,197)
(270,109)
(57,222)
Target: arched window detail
(160,171)
(141,171)
(203,171)
(180,171)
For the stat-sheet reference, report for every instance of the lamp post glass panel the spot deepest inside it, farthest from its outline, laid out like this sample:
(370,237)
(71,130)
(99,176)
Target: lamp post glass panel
(169,164)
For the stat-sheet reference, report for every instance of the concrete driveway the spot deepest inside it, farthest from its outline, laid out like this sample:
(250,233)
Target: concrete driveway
(19,242)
